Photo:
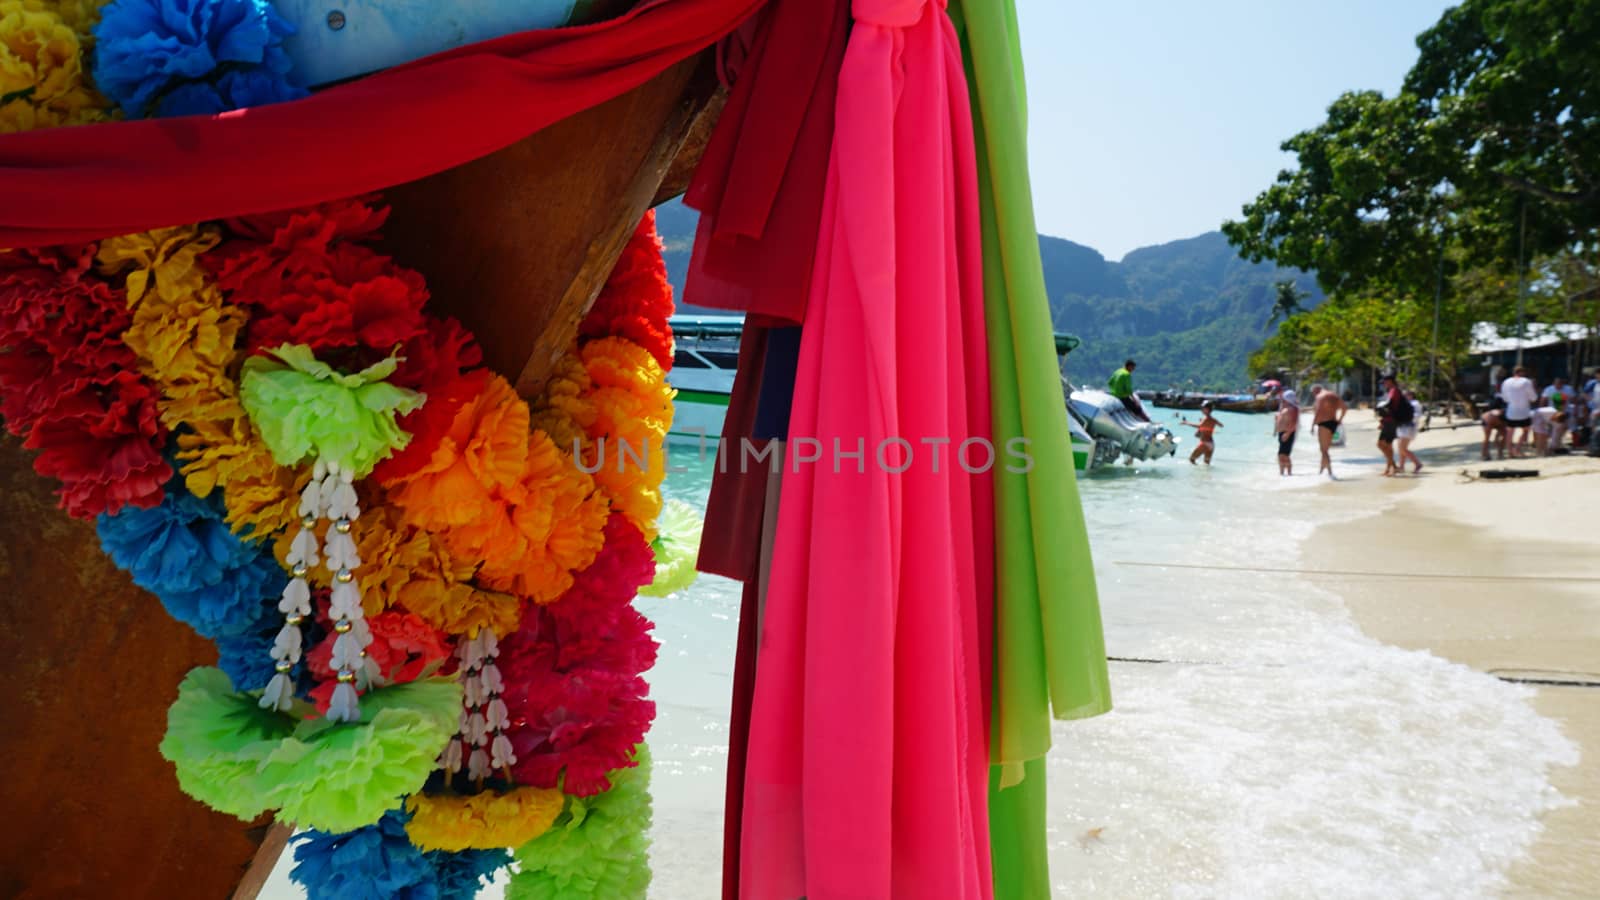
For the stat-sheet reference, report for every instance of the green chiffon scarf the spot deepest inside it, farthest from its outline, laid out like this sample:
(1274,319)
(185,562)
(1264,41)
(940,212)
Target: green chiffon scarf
(1050,659)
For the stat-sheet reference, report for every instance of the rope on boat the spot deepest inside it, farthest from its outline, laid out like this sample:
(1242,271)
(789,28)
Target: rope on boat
(1538,677)
(1350,573)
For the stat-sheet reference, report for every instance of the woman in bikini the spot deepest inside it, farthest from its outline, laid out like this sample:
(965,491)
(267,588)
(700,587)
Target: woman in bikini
(1203,430)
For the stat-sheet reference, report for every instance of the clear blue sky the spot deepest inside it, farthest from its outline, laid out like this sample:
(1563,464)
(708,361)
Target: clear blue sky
(1153,120)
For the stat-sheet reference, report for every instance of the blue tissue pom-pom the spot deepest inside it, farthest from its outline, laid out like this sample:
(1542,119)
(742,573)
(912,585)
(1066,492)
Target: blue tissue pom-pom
(205,575)
(462,875)
(146,48)
(234,90)
(377,862)
(247,660)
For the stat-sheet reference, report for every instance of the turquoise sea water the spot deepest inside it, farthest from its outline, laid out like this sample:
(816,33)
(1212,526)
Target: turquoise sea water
(1282,754)
(1278,753)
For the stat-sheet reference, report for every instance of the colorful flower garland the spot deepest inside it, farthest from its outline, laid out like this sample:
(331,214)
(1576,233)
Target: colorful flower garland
(419,584)
(487,627)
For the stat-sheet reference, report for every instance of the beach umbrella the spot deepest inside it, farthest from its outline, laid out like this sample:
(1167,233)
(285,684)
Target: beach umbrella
(1271,384)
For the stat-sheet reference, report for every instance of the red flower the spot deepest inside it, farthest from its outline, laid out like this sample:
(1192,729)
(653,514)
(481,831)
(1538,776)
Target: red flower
(404,647)
(637,299)
(573,688)
(430,424)
(308,281)
(72,387)
(437,356)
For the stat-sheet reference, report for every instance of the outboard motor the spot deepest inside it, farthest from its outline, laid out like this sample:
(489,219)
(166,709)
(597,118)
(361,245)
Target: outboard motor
(1108,420)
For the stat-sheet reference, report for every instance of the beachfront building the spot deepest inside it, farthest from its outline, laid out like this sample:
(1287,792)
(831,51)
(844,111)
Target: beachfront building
(1549,350)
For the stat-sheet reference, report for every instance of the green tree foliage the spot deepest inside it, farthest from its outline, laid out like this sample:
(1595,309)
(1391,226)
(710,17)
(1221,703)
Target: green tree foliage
(1489,156)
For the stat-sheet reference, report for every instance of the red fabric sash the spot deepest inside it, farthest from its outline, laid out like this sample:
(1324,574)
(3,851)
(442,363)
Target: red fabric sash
(74,184)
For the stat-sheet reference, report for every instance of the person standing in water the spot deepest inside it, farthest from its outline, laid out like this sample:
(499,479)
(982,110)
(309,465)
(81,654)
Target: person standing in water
(1120,386)
(1327,411)
(1203,430)
(1286,424)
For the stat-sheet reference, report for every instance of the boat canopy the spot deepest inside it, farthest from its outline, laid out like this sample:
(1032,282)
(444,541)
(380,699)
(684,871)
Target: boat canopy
(1066,343)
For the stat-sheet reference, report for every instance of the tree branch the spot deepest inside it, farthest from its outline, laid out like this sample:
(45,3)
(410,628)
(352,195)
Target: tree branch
(1551,194)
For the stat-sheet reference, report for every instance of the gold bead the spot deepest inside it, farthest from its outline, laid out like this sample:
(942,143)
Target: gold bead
(347,678)
(345,576)
(294,620)
(342,626)
(309,521)
(342,526)
(284,668)
(300,570)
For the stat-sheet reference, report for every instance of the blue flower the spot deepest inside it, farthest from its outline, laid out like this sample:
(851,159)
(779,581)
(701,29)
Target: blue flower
(205,575)
(145,48)
(377,862)
(237,89)
(461,875)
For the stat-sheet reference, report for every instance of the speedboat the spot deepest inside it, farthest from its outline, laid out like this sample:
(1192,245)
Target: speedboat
(1104,430)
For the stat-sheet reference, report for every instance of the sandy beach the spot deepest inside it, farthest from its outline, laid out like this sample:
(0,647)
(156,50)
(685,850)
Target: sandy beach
(1501,576)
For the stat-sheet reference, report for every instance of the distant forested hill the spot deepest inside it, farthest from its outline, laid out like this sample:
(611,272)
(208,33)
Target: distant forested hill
(1190,311)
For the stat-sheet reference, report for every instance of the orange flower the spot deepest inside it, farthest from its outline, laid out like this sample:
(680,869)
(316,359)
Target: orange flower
(558,525)
(476,464)
(633,411)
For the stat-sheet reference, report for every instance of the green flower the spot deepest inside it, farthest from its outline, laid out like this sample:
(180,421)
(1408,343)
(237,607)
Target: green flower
(676,547)
(243,760)
(599,848)
(303,409)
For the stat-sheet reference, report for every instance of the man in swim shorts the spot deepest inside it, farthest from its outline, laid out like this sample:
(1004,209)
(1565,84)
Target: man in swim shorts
(1520,396)
(1286,423)
(1327,410)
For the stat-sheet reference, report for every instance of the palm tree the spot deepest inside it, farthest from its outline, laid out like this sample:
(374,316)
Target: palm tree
(1287,302)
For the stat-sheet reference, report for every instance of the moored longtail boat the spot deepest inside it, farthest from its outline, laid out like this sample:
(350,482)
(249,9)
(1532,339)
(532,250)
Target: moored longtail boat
(370,451)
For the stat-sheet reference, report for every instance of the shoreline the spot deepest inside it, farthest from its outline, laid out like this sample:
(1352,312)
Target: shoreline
(1500,576)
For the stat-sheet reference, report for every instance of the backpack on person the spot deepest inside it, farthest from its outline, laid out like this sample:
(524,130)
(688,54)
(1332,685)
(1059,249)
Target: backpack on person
(1401,412)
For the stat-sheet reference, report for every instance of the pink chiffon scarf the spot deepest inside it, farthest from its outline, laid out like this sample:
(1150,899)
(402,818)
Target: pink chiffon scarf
(868,752)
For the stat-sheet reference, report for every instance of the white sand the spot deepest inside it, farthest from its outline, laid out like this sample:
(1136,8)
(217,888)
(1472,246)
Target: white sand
(1510,585)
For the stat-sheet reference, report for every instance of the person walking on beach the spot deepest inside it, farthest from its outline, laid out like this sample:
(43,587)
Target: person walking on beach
(1393,410)
(1120,385)
(1327,412)
(1286,424)
(1203,430)
(1406,432)
(1520,396)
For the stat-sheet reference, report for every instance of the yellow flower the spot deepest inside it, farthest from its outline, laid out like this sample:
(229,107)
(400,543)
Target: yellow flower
(168,257)
(41,70)
(484,821)
(258,493)
(564,412)
(403,565)
(183,333)
(81,16)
